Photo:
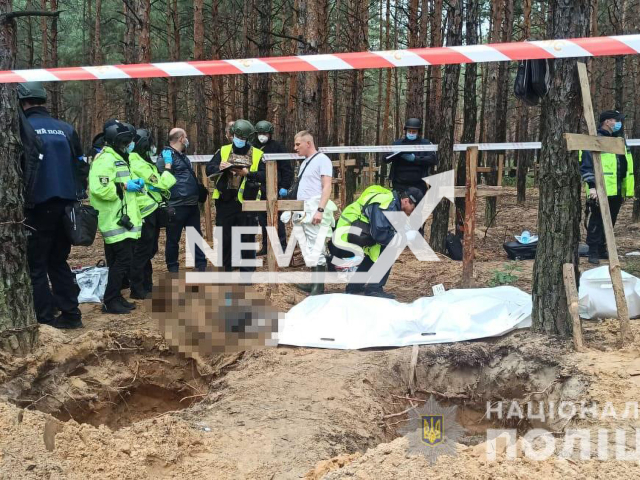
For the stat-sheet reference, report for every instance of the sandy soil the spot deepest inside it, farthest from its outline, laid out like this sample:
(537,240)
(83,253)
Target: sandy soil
(113,401)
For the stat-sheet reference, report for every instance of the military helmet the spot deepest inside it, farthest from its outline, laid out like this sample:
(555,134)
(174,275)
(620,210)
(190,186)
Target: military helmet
(117,133)
(413,123)
(143,139)
(264,127)
(32,90)
(243,129)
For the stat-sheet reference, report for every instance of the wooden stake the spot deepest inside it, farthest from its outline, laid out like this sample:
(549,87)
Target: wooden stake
(343,182)
(568,273)
(470,217)
(272,210)
(500,169)
(626,334)
(208,222)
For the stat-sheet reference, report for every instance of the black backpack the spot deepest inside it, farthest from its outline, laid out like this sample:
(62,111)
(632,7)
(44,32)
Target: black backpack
(533,81)
(30,159)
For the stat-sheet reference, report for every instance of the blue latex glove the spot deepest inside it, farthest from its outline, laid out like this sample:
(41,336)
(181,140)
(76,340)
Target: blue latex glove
(134,186)
(152,188)
(409,157)
(140,181)
(167,157)
(282,192)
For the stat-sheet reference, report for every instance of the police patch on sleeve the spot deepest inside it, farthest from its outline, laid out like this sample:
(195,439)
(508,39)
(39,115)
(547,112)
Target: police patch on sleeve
(104,181)
(153,179)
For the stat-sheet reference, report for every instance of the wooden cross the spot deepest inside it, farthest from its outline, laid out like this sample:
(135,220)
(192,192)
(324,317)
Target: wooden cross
(597,145)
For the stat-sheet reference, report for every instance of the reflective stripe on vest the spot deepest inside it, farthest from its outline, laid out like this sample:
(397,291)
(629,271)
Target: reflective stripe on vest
(225,152)
(118,231)
(148,208)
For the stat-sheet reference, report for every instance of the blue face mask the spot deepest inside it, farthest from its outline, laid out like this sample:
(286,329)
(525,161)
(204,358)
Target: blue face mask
(617,126)
(238,142)
(412,136)
(130,147)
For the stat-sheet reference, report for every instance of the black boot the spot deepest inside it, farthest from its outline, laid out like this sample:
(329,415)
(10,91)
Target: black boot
(317,287)
(115,307)
(67,323)
(594,258)
(127,304)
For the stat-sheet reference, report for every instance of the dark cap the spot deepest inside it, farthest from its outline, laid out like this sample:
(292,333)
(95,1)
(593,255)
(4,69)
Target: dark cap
(414,194)
(607,114)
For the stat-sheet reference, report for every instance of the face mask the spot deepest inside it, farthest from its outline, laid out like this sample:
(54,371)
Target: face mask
(412,136)
(263,138)
(617,126)
(239,143)
(130,147)
(186,143)
(153,150)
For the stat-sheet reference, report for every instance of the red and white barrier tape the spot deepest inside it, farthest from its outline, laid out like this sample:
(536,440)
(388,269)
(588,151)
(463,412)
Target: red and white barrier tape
(497,52)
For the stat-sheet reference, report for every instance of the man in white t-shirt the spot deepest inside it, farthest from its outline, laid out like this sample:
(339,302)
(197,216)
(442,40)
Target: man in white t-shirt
(314,177)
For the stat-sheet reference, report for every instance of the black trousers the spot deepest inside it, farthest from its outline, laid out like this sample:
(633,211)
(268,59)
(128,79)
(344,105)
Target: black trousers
(145,249)
(229,214)
(119,256)
(48,249)
(364,266)
(282,231)
(595,227)
(186,216)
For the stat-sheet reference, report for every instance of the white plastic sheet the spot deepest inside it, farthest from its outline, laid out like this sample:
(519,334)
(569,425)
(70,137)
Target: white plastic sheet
(596,299)
(92,282)
(352,321)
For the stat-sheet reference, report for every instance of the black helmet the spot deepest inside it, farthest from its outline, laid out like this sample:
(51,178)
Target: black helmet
(264,127)
(143,140)
(413,123)
(118,134)
(33,90)
(97,144)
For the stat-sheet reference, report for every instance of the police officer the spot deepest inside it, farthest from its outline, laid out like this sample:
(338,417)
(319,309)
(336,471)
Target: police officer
(409,168)
(370,208)
(113,192)
(618,179)
(156,190)
(266,143)
(238,172)
(59,181)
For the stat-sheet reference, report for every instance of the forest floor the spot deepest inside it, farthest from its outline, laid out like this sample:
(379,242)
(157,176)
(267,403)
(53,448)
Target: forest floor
(112,400)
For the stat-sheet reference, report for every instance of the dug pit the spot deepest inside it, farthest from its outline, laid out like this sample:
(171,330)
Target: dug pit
(121,381)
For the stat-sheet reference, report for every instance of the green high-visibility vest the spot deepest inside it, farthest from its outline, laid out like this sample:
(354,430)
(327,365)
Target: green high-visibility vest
(140,168)
(256,156)
(354,211)
(610,171)
(108,169)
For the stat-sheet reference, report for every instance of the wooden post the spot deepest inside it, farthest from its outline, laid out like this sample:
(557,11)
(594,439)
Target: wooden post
(500,169)
(343,182)
(470,217)
(626,334)
(208,223)
(272,209)
(572,302)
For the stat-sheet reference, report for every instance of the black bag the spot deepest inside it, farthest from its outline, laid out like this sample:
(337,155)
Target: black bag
(520,251)
(364,239)
(453,245)
(164,215)
(532,81)
(80,224)
(292,193)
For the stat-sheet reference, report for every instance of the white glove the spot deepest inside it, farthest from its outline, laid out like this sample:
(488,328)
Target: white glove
(593,195)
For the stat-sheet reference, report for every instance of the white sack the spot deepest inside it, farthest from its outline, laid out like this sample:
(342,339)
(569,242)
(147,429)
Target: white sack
(92,282)
(596,294)
(354,321)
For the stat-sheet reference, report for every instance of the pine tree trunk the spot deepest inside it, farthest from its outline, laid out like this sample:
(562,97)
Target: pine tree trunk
(523,156)
(143,17)
(432,129)
(55,104)
(98,101)
(559,210)
(415,75)
(264,50)
(18,327)
(448,111)
(202,131)
(173,45)
(132,94)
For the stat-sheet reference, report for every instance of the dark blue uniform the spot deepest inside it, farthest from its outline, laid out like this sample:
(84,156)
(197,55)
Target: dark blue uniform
(60,180)
(407,173)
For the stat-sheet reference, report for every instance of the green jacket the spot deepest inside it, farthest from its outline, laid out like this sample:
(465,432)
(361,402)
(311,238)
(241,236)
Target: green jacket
(107,170)
(157,186)
(354,211)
